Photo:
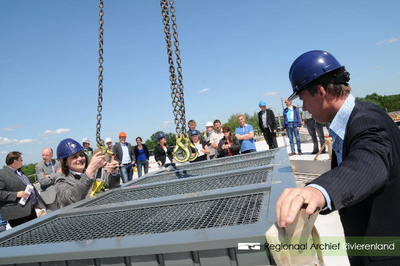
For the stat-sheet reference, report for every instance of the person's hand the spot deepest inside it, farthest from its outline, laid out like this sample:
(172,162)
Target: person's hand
(284,130)
(159,163)
(98,161)
(291,201)
(22,194)
(298,128)
(59,170)
(274,130)
(111,168)
(47,176)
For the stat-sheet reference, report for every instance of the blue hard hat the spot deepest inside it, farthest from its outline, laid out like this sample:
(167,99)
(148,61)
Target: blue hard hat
(309,66)
(160,135)
(262,103)
(194,132)
(68,147)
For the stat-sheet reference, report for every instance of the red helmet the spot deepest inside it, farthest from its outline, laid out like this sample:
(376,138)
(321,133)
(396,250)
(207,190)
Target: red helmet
(122,134)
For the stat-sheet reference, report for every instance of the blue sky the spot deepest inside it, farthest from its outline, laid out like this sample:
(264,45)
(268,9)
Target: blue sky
(234,54)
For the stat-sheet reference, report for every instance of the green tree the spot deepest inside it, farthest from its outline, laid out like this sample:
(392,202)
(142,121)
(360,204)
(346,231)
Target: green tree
(389,103)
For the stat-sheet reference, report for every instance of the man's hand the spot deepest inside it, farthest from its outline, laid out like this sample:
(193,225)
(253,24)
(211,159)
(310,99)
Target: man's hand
(298,128)
(22,194)
(111,168)
(291,201)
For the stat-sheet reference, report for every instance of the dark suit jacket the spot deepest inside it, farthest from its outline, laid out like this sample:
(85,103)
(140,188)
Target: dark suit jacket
(160,155)
(117,150)
(365,187)
(10,184)
(270,120)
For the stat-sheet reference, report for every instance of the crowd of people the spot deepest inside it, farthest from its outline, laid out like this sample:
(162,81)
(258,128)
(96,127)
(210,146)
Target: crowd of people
(79,170)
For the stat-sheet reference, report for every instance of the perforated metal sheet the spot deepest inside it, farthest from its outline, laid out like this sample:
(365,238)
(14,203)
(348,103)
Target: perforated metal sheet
(212,183)
(228,211)
(223,160)
(231,166)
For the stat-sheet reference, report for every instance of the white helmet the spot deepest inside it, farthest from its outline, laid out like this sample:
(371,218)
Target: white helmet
(86,140)
(209,124)
(108,140)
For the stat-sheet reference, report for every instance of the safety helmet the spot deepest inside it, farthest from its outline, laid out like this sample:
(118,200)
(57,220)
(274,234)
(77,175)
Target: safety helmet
(194,132)
(68,147)
(209,124)
(160,135)
(122,134)
(309,66)
(86,140)
(262,103)
(108,140)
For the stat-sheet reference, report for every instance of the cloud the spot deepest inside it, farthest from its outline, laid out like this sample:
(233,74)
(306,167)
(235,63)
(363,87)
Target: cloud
(166,124)
(5,141)
(11,128)
(55,132)
(377,66)
(25,141)
(204,90)
(392,40)
(3,152)
(269,94)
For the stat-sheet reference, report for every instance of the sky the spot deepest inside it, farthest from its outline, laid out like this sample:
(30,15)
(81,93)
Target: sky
(234,54)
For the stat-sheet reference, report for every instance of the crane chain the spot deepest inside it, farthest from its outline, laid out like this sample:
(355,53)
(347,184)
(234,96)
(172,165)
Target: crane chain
(100,97)
(182,151)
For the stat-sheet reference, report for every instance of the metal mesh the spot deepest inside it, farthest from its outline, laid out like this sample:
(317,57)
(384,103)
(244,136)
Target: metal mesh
(255,177)
(229,211)
(205,171)
(225,160)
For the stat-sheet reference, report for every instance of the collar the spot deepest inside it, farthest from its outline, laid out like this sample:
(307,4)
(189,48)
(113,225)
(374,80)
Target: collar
(13,169)
(245,125)
(339,123)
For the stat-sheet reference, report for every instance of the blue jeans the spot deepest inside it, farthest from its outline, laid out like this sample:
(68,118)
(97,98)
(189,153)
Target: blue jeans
(143,163)
(126,173)
(291,129)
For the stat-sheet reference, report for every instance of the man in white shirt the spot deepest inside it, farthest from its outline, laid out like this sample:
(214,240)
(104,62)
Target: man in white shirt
(125,156)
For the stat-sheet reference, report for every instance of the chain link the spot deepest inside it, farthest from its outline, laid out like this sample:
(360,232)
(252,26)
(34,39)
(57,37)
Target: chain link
(176,89)
(100,98)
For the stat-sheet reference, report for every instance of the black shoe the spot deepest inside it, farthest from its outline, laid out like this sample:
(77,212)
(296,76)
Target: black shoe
(300,153)
(323,151)
(314,152)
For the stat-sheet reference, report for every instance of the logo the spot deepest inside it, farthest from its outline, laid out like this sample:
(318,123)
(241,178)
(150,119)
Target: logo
(73,145)
(248,246)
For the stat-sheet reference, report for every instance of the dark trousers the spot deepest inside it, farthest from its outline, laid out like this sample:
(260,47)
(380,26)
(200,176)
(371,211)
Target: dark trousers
(315,128)
(16,222)
(270,138)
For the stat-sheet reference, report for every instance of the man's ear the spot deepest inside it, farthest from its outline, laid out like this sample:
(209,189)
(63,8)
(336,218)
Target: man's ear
(321,90)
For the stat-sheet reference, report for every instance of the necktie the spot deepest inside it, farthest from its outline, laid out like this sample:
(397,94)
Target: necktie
(26,181)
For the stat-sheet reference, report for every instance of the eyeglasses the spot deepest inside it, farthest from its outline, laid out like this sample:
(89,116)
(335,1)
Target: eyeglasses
(77,155)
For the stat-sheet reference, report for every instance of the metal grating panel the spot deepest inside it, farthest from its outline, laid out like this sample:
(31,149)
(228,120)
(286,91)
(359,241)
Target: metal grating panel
(223,160)
(228,211)
(235,180)
(235,166)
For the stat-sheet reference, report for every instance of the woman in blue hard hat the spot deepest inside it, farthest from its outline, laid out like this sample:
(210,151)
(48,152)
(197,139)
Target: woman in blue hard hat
(162,154)
(78,176)
(200,145)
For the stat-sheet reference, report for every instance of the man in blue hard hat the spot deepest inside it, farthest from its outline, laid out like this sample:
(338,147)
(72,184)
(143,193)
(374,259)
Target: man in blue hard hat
(364,182)
(267,123)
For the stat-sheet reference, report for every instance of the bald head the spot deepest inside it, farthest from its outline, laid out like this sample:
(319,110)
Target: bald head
(47,154)
(288,102)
